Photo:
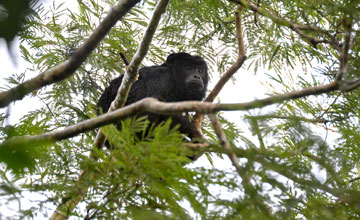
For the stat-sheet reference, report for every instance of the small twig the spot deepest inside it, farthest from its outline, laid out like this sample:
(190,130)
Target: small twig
(328,108)
(256,129)
(49,109)
(355,179)
(297,118)
(258,156)
(249,188)
(123,57)
(349,85)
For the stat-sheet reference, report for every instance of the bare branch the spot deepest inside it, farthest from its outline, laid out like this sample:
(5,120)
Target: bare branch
(65,69)
(239,34)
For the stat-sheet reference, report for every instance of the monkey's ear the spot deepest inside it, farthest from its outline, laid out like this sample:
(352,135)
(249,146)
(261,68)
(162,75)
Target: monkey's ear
(175,57)
(171,58)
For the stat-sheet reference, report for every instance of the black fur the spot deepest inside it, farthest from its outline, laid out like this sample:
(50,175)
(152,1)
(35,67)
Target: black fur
(182,77)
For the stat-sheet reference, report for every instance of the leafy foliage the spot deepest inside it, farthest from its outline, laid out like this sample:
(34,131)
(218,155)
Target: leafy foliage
(299,160)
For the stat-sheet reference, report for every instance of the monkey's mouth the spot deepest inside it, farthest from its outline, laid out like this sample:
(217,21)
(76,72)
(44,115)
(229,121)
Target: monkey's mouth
(195,84)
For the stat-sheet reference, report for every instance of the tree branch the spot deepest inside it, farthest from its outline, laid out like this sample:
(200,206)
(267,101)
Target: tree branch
(225,143)
(256,130)
(132,70)
(262,117)
(258,156)
(354,179)
(344,53)
(123,57)
(65,69)
(346,86)
(296,27)
(249,188)
(238,63)
(155,106)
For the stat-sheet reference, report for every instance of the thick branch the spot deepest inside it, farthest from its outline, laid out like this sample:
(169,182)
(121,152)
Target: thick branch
(65,69)
(155,106)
